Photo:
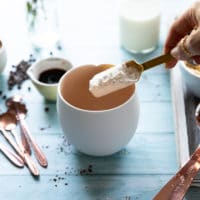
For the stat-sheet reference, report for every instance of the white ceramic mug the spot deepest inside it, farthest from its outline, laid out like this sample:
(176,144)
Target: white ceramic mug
(3,57)
(191,78)
(101,132)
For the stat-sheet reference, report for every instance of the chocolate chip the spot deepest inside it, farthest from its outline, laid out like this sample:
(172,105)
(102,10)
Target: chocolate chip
(82,171)
(59,47)
(46,109)
(90,166)
(19,75)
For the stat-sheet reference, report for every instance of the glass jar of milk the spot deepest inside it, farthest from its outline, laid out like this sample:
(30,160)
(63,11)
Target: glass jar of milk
(139,25)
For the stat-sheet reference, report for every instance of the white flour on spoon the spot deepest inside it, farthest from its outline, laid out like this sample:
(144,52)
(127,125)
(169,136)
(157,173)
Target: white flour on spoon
(113,79)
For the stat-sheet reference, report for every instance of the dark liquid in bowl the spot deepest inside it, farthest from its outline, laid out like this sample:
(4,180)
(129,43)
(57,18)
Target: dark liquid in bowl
(51,76)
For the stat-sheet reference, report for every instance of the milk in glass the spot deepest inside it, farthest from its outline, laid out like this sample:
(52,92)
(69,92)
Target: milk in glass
(139,25)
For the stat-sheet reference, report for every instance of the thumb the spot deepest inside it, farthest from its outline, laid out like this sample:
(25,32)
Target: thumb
(188,47)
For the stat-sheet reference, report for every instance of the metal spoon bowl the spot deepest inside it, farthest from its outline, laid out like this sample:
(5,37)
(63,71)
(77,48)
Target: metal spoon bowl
(19,110)
(9,122)
(16,106)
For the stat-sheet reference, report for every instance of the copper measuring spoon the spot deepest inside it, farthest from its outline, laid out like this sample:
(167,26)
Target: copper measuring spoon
(177,187)
(9,122)
(14,158)
(16,106)
(10,140)
(10,103)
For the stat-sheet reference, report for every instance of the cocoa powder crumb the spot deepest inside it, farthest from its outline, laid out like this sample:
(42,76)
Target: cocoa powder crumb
(59,47)
(19,75)
(46,109)
(44,128)
(85,171)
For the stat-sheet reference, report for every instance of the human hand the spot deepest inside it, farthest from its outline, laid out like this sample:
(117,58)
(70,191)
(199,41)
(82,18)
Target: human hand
(183,40)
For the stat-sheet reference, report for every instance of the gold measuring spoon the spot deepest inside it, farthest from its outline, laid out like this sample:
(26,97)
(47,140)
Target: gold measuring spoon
(9,122)
(177,187)
(16,106)
(114,78)
(150,63)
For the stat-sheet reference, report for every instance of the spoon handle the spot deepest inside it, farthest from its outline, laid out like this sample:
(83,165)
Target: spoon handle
(26,156)
(176,188)
(12,142)
(15,159)
(17,139)
(157,61)
(31,165)
(24,138)
(38,152)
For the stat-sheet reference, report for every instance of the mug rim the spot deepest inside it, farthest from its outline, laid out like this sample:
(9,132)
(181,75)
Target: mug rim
(59,95)
(189,70)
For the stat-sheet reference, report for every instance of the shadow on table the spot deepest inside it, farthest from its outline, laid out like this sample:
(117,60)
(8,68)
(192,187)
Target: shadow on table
(98,173)
(193,194)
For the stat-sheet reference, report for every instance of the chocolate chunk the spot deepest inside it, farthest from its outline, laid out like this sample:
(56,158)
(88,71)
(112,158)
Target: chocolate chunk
(19,75)
(46,109)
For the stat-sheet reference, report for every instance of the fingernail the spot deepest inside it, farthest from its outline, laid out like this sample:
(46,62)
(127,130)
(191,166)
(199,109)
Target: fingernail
(175,52)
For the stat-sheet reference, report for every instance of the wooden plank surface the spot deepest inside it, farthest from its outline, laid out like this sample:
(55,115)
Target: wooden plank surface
(83,187)
(180,116)
(143,155)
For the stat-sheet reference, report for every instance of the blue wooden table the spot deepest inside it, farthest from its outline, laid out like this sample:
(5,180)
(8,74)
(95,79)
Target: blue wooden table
(89,34)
